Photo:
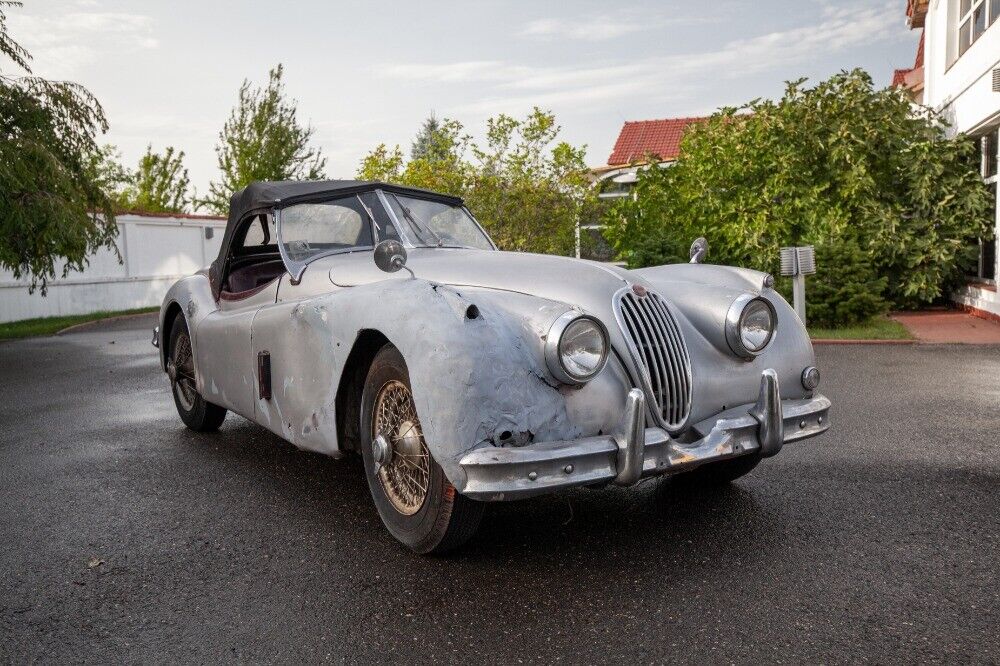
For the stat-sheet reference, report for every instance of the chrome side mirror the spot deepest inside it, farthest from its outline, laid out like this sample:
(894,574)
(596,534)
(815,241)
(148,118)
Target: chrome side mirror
(390,256)
(699,248)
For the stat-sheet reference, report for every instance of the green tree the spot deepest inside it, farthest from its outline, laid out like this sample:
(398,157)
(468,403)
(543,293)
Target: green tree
(53,208)
(526,188)
(105,168)
(262,140)
(159,185)
(432,142)
(839,165)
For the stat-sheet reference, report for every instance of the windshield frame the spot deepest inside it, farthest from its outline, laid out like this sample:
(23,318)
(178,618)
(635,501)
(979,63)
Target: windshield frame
(403,227)
(412,239)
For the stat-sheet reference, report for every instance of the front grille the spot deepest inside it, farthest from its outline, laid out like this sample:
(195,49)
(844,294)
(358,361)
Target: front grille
(658,347)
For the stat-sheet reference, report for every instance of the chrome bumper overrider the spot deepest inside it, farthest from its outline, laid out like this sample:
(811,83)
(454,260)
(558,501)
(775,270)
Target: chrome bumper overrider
(635,451)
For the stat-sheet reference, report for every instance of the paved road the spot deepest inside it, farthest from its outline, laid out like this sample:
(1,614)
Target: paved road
(127,538)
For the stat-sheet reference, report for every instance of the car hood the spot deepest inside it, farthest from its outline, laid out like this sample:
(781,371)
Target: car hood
(586,284)
(699,296)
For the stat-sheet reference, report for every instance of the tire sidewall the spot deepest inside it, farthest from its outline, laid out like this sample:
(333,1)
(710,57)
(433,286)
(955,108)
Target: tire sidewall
(195,417)
(423,530)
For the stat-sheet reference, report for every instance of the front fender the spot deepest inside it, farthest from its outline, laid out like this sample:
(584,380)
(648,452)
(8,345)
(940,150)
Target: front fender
(474,380)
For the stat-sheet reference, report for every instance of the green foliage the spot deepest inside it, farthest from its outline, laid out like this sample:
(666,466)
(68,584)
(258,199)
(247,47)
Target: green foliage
(877,328)
(434,141)
(29,328)
(105,168)
(847,292)
(159,185)
(262,140)
(53,208)
(840,166)
(525,187)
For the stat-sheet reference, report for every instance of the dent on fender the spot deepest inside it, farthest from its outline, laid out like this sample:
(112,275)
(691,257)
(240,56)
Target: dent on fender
(475,381)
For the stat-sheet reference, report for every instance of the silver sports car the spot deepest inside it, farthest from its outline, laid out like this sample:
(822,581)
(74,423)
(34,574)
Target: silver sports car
(366,317)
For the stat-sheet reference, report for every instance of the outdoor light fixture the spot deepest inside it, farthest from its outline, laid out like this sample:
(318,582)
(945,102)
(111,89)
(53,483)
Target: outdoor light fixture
(797,263)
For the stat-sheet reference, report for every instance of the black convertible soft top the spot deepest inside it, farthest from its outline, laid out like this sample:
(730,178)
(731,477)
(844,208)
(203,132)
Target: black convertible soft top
(262,196)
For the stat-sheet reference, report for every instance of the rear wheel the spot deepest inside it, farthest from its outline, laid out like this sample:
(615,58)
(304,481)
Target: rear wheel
(196,412)
(415,500)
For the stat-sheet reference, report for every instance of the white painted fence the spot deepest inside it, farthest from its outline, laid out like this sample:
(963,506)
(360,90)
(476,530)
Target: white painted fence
(156,250)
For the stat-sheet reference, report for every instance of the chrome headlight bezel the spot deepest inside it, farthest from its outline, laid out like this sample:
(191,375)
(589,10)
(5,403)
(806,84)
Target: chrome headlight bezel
(553,354)
(734,326)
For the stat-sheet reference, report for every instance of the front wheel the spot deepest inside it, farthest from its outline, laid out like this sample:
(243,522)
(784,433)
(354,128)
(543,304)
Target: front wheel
(196,412)
(415,500)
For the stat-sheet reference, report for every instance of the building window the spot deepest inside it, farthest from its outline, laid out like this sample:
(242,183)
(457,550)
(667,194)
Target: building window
(988,249)
(974,17)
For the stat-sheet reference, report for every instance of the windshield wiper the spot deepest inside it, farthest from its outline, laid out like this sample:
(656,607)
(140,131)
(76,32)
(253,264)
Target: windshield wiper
(413,220)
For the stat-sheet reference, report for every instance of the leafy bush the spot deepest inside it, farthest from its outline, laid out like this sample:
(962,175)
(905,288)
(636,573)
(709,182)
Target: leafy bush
(525,187)
(846,292)
(842,166)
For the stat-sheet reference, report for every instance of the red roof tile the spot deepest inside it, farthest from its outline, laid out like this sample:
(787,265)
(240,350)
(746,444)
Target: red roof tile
(899,75)
(659,137)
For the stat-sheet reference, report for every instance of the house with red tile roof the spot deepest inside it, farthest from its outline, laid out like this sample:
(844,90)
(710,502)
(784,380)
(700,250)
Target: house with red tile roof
(637,142)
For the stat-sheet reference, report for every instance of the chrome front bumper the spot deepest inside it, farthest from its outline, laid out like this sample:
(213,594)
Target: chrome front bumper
(634,451)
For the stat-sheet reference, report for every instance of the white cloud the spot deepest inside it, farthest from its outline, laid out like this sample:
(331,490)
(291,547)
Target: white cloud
(64,43)
(597,28)
(511,85)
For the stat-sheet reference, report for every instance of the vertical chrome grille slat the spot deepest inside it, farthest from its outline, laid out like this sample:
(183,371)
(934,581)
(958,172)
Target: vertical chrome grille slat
(679,355)
(669,383)
(657,345)
(649,347)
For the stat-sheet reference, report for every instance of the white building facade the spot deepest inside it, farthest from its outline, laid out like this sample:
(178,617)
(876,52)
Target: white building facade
(959,76)
(155,251)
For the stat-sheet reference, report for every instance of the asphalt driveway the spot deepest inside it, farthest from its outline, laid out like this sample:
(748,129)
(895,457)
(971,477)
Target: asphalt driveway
(128,538)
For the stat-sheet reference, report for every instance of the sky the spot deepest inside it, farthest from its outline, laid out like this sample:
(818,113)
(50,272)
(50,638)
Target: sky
(365,73)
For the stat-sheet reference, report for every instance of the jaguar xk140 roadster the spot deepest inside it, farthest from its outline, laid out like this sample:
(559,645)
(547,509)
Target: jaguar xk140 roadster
(381,320)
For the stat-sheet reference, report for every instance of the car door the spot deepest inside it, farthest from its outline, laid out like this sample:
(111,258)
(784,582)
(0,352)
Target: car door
(298,336)
(224,352)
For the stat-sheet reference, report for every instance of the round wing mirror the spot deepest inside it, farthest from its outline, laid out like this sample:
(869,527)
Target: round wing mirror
(699,248)
(390,256)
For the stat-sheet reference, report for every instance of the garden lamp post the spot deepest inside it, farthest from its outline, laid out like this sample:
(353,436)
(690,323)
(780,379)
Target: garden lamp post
(797,263)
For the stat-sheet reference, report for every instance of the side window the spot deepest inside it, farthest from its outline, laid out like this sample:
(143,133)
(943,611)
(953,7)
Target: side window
(311,229)
(261,232)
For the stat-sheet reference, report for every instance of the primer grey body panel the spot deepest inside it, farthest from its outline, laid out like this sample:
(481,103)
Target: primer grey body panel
(473,379)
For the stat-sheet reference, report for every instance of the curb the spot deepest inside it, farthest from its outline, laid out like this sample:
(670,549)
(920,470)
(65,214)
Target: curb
(822,341)
(92,322)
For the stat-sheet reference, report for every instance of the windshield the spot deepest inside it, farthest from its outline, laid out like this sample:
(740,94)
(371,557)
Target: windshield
(437,224)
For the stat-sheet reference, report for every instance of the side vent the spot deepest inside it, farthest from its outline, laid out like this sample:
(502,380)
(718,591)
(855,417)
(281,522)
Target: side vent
(996,80)
(264,375)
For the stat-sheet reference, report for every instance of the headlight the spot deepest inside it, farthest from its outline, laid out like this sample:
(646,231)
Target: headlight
(750,325)
(576,348)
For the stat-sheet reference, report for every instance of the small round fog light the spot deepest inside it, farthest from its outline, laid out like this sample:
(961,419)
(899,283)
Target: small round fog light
(810,378)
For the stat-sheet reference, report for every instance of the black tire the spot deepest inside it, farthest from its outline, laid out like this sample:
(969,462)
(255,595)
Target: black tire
(444,520)
(197,413)
(720,473)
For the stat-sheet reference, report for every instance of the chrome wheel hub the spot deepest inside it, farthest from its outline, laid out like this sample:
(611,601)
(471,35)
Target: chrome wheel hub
(402,462)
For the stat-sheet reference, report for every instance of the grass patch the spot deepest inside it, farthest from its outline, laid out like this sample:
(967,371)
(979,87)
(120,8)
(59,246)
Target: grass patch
(879,328)
(29,328)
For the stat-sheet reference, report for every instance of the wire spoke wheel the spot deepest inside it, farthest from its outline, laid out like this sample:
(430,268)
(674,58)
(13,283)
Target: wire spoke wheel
(405,477)
(181,371)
